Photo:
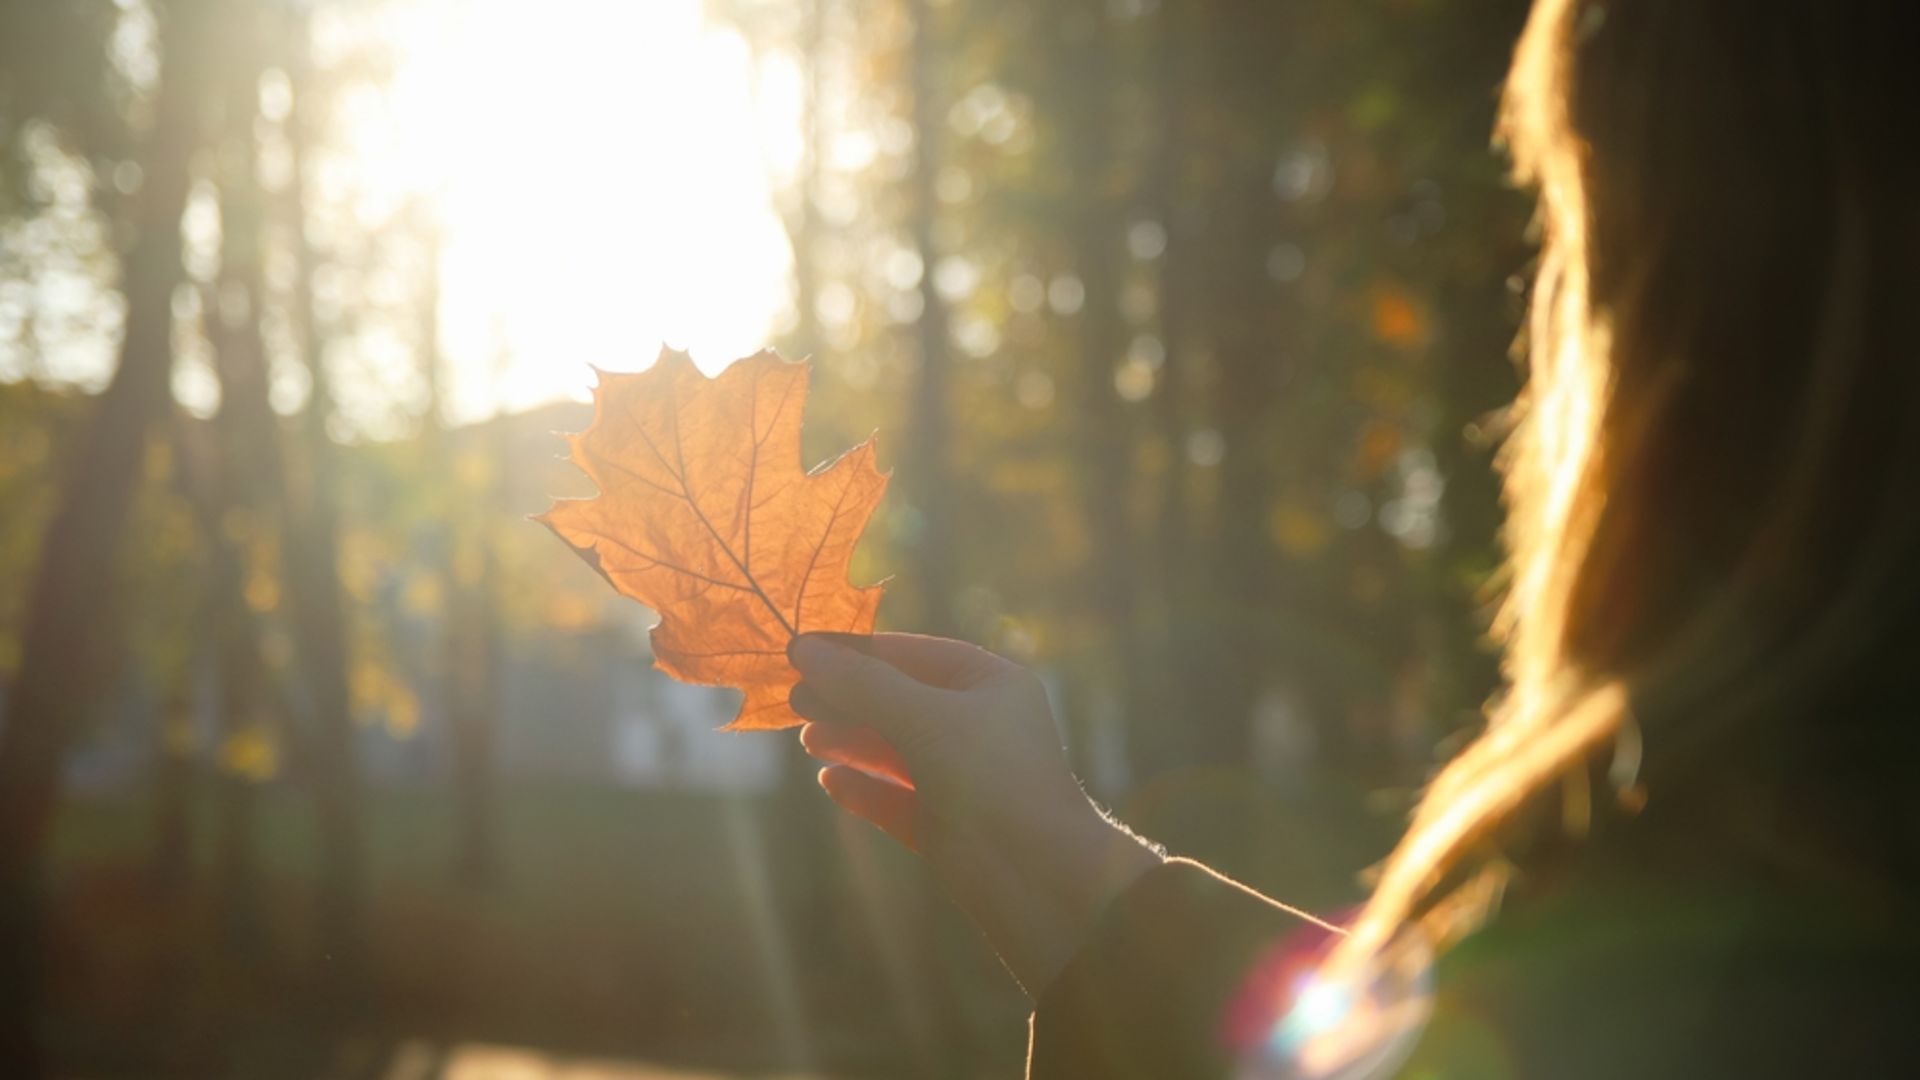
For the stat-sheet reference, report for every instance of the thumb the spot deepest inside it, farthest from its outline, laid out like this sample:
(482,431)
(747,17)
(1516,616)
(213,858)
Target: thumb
(860,689)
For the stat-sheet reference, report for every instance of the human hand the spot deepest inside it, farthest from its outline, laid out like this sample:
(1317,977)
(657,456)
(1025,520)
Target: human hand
(952,750)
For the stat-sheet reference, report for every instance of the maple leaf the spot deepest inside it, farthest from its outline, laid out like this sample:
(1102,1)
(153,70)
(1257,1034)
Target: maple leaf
(705,516)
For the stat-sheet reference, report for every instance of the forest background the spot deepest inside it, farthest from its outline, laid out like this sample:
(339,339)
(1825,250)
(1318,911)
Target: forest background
(1184,324)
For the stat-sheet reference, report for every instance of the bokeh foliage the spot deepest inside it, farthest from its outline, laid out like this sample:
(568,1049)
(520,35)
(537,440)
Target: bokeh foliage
(1184,323)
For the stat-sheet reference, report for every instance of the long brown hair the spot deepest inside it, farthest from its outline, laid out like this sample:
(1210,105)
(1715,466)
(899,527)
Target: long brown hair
(1713,473)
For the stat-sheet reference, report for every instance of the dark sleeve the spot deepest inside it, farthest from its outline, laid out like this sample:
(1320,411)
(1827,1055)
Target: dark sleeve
(1657,984)
(1152,992)
(1602,982)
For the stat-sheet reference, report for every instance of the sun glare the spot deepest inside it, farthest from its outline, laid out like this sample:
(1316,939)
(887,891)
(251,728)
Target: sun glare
(602,172)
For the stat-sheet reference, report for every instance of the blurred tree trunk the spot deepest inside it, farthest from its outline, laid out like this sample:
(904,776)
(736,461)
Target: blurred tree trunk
(313,585)
(810,872)
(1103,431)
(469,655)
(803,222)
(67,636)
(1169,200)
(931,483)
(929,466)
(243,699)
(474,657)
(1248,347)
(211,482)
(175,781)
(1480,315)
(239,503)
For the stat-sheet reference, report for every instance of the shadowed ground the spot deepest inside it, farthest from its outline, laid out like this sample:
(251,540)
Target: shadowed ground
(627,927)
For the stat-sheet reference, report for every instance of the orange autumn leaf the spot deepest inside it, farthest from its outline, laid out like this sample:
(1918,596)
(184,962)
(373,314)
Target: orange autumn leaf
(705,516)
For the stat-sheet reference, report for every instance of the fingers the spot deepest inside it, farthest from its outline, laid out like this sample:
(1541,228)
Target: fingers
(862,748)
(851,687)
(889,806)
(936,661)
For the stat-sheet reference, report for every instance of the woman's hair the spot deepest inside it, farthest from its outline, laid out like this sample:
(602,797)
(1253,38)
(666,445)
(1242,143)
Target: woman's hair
(1712,473)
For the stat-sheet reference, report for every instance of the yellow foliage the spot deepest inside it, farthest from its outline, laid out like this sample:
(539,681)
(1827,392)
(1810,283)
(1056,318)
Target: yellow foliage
(380,694)
(251,754)
(474,470)
(366,685)
(424,595)
(1381,391)
(177,734)
(158,463)
(1027,476)
(571,611)
(1153,458)
(403,712)
(1379,446)
(1299,531)
(263,589)
(469,565)
(359,565)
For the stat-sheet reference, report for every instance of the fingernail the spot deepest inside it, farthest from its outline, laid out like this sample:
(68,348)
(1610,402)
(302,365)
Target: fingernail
(860,643)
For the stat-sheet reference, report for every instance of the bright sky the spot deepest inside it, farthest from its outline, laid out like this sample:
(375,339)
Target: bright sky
(604,171)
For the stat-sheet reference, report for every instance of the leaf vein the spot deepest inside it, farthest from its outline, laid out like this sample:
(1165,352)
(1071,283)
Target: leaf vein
(826,535)
(686,492)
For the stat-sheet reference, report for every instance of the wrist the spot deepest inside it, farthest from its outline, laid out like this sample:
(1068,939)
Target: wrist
(1038,888)
(1107,859)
